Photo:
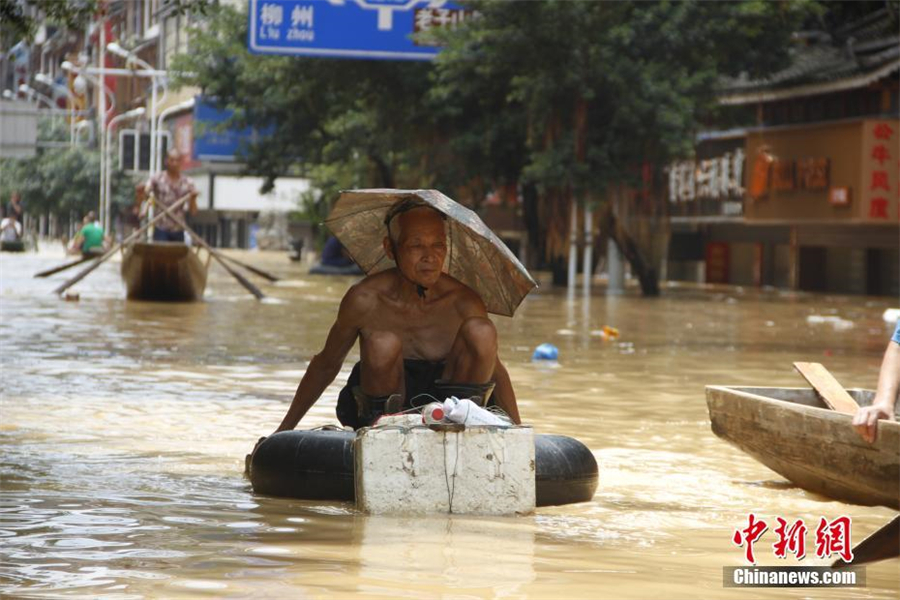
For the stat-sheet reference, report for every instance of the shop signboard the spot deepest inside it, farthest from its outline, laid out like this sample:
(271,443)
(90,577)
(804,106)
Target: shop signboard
(712,184)
(846,171)
(212,141)
(880,188)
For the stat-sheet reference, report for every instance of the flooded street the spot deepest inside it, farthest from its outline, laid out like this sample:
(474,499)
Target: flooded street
(124,425)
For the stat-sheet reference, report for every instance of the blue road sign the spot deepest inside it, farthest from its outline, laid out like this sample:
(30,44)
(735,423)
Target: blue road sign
(213,145)
(373,29)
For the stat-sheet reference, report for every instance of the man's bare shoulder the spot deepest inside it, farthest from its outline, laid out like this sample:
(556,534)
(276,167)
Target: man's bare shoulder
(466,300)
(363,296)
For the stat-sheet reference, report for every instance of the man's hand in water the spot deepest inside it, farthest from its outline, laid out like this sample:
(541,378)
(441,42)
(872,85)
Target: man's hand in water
(866,420)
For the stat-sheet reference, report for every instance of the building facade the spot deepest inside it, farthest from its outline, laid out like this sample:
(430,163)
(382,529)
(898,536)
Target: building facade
(808,197)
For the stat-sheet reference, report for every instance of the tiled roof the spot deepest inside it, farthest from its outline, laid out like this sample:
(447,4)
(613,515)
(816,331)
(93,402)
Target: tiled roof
(854,56)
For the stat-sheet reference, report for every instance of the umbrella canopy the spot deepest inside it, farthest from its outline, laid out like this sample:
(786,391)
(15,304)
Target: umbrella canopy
(475,256)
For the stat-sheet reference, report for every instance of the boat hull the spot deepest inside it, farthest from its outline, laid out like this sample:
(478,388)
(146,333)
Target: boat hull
(163,271)
(791,431)
(318,465)
(12,246)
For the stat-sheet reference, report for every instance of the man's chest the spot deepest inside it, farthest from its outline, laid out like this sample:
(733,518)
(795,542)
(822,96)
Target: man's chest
(424,336)
(172,189)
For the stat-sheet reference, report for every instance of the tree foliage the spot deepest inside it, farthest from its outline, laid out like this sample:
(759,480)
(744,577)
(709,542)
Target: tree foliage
(358,113)
(61,179)
(566,100)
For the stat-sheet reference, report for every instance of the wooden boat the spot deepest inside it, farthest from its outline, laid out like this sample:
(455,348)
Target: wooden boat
(12,246)
(169,271)
(793,432)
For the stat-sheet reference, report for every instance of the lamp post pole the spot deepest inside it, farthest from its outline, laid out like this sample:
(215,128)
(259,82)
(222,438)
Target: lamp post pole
(104,91)
(49,82)
(107,183)
(157,78)
(101,58)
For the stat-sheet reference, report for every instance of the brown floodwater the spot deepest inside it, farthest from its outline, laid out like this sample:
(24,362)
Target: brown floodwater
(124,427)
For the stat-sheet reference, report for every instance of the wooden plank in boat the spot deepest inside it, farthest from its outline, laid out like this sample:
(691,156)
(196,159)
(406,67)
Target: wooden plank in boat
(832,392)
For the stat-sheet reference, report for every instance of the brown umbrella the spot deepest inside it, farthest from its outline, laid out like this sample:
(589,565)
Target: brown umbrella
(475,256)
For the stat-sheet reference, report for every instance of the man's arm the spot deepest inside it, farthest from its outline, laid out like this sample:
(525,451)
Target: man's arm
(192,203)
(866,419)
(325,366)
(504,395)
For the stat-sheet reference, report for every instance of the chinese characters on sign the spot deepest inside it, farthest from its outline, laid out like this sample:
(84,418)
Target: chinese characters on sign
(786,175)
(713,179)
(783,175)
(429,18)
(813,173)
(877,184)
(839,196)
(831,538)
(372,29)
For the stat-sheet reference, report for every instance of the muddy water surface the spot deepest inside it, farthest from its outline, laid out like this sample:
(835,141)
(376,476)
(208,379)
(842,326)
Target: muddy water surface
(123,427)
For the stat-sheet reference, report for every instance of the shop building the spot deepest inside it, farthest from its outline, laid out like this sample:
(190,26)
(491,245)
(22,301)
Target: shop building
(807,198)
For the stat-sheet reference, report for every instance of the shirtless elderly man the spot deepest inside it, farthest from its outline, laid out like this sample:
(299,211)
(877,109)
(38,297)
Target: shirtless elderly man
(423,335)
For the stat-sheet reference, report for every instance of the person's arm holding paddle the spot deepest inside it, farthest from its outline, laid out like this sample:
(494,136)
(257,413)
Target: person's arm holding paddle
(866,419)
(325,366)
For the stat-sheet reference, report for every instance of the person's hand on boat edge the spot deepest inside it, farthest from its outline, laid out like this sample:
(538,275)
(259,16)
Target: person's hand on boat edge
(866,419)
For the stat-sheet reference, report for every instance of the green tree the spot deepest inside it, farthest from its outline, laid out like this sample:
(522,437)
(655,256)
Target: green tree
(61,180)
(20,19)
(571,101)
(595,90)
(359,114)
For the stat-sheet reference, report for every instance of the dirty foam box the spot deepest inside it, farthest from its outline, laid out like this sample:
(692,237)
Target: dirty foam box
(480,470)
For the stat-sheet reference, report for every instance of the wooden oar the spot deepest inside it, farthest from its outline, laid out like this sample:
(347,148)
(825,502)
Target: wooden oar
(883,544)
(218,256)
(251,268)
(832,392)
(134,235)
(60,268)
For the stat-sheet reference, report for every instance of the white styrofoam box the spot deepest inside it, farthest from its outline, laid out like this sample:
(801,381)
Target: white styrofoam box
(481,470)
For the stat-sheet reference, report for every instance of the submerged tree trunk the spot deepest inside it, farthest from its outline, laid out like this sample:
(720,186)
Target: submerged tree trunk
(647,275)
(385,174)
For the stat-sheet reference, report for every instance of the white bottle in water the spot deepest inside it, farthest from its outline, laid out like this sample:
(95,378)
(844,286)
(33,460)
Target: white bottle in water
(469,413)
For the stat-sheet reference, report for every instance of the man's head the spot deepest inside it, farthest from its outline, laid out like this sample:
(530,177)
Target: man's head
(417,242)
(173,162)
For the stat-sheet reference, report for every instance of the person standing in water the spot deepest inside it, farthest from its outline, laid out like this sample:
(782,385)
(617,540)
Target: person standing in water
(167,187)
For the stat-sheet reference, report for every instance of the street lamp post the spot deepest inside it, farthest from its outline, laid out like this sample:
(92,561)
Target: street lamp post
(35,95)
(104,92)
(42,78)
(148,72)
(157,79)
(82,73)
(107,184)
